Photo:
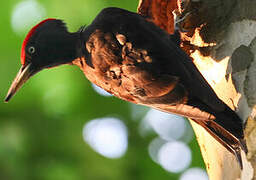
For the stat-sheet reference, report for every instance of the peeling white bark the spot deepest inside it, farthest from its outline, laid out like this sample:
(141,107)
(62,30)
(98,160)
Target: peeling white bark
(221,165)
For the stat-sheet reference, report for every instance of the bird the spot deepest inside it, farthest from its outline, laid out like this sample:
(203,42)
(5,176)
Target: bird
(133,59)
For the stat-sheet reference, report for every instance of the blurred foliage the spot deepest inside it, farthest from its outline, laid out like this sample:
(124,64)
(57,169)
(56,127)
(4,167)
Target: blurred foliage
(41,128)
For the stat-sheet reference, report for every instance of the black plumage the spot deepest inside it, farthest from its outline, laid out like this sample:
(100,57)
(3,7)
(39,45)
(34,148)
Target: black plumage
(138,62)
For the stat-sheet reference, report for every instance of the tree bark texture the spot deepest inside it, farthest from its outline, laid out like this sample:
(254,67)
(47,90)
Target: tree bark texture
(220,37)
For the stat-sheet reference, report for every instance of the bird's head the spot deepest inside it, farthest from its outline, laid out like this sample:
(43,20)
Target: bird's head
(46,45)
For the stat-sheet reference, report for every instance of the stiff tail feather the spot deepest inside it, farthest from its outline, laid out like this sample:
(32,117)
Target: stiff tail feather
(224,125)
(229,141)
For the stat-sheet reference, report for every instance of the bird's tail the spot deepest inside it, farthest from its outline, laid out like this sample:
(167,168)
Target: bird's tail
(229,120)
(227,129)
(222,123)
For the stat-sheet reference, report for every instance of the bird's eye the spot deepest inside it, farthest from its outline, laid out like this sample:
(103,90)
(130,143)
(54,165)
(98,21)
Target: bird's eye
(31,49)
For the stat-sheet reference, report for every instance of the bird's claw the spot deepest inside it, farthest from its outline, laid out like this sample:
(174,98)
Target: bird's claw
(178,18)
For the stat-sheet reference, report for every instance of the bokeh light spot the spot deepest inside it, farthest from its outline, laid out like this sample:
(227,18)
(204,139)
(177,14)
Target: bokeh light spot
(174,156)
(154,147)
(26,14)
(107,136)
(194,173)
(168,126)
(100,91)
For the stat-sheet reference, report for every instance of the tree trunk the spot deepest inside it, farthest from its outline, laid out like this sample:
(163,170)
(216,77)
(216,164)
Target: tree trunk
(220,38)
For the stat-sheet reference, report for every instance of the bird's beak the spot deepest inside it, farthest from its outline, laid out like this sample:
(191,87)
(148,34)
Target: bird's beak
(25,72)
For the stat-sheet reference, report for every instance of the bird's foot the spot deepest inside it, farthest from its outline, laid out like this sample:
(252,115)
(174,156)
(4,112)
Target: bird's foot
(178,19)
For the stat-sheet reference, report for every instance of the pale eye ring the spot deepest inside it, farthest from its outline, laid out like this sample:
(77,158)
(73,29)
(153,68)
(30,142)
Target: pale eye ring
(31,49)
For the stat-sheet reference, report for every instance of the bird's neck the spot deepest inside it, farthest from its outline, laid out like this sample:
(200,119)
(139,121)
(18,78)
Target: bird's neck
(65,49)
(75,43)
(70,46)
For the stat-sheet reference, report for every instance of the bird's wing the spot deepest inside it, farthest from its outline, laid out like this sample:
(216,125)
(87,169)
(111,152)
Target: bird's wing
(151,52)
(131,65)
(171,59)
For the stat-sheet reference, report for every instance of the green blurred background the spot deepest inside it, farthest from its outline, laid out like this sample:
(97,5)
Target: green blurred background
(42,129)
